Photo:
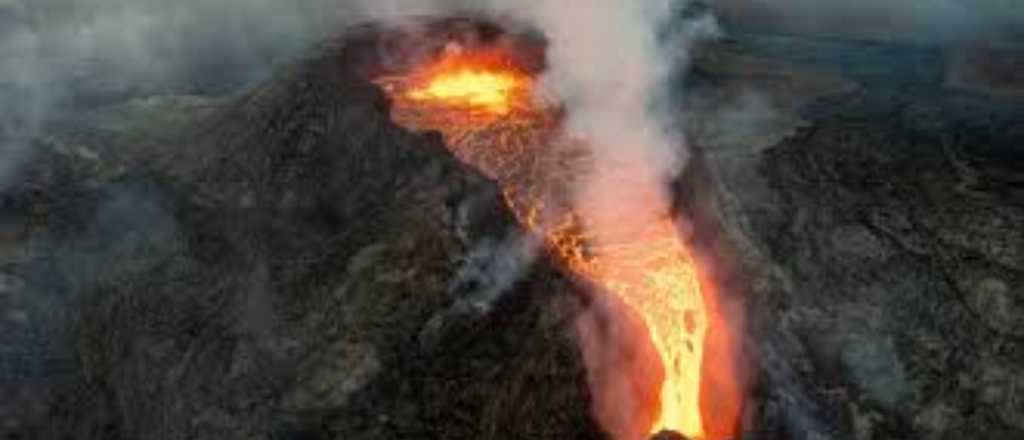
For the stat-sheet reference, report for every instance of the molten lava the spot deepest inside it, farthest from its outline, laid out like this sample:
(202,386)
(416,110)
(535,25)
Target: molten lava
(490,115)
(482,81)
(655,275)
(487,90)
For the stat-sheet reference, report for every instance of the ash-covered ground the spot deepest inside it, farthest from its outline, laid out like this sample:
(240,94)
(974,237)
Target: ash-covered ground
(284,262)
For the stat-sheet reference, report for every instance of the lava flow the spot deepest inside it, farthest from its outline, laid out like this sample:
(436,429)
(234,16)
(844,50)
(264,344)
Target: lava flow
(488,90)
(492,118)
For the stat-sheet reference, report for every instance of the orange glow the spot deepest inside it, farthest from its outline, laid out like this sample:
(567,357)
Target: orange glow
(481,81)
(487,90)
(655,275)
(517,142)
(662,284)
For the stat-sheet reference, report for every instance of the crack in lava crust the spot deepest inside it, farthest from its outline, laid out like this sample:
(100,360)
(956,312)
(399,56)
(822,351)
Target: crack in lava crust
(511,133)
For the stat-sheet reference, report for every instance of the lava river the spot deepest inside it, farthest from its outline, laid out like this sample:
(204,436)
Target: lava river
(494,118)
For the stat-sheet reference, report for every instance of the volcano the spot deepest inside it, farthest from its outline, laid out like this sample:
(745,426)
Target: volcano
(495,116)
(380,241)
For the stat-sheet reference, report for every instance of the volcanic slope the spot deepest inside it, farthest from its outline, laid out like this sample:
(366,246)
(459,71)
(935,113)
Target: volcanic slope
(305,269)
(496,116)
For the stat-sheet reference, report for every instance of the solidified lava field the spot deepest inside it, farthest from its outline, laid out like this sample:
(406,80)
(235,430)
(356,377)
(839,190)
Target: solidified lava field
(297,259)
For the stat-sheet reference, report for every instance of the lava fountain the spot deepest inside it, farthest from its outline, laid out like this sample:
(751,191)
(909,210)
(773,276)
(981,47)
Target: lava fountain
(494,117)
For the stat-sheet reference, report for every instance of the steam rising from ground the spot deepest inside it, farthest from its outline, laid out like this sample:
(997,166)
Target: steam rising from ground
(609,59)
(60,56)
(56,51)
(611,70)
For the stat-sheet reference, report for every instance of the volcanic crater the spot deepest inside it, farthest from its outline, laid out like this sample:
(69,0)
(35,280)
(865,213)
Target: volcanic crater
(369,246)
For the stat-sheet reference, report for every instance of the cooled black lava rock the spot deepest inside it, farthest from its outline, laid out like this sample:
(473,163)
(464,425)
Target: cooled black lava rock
(290,264)
(282,265)
(882,235)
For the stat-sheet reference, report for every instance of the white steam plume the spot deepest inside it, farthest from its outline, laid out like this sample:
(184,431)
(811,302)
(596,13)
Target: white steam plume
(609,60)
(61,57)
(605,60)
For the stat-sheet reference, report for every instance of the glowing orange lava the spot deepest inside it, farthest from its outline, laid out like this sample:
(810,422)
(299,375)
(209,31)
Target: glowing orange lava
(487,90)
(516,141)
(654,273)
(483,81)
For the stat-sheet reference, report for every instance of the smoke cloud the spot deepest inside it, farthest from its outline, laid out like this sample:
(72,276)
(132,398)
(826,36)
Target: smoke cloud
(609,59)
(60,57)
(56,55)
(612,72)
(610,62)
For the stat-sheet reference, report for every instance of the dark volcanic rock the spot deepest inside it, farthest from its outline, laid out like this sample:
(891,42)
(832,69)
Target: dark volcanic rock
(988,71)
(294,266)
(878,230)
(888,259)
(290,264)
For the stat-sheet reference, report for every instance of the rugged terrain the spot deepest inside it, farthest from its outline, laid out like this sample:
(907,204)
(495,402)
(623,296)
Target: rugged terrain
(878,207)
(287,263)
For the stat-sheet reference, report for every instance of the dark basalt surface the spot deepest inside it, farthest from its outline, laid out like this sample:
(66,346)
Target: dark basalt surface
(880,224)
(899,253)
(289,264)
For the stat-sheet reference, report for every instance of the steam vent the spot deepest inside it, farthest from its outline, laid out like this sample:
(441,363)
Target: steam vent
(384,238)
